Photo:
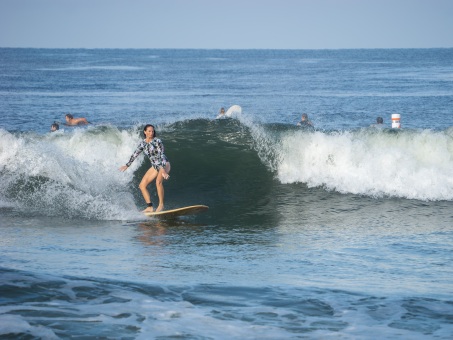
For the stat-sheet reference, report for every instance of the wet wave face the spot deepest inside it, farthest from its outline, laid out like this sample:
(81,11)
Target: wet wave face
(43,306)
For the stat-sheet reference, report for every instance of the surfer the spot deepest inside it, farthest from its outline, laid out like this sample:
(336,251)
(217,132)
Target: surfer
(70,120)
(304,121)
(160,166)
(221,113)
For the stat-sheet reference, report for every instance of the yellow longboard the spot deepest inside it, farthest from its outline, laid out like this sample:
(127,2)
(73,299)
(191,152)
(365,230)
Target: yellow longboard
(193,209)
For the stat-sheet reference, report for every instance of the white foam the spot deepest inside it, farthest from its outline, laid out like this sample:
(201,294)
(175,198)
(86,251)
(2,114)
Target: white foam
(410,164)
(81,169)
(10,324)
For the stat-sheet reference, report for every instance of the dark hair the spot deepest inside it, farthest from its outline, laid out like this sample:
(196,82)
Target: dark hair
(55,125)
(147,126)
(379,120)
(70,116)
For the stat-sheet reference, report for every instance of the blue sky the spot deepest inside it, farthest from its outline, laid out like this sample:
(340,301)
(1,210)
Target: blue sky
(226,24)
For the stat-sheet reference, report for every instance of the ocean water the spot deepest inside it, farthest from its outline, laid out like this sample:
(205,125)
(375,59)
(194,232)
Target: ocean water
(342,231)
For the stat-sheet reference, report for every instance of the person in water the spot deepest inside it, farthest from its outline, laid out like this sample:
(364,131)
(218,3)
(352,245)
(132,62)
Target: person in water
(54,127)
(160,166)
(70,120)
(221,113)
(379,123)
(304,121)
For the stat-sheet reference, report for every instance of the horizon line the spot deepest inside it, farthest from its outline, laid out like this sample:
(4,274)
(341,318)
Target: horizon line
(231,49)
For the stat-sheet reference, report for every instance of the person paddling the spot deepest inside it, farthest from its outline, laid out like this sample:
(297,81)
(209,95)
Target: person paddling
(70,120)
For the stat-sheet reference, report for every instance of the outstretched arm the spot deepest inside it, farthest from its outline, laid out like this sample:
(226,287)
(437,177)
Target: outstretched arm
(137,152)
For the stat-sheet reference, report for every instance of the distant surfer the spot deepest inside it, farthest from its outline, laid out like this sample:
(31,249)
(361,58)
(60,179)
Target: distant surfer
(160,166)
(379,123)
(304,121)
(221,114)
(70,120)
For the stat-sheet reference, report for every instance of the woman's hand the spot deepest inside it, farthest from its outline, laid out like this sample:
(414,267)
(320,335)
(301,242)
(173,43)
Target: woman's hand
(123,168)
(165,175)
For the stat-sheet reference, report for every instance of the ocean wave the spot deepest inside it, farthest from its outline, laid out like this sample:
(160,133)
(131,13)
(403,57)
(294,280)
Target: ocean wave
(233,163)
(409,164)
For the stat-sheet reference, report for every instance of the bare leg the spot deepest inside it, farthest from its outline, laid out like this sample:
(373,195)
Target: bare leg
(150,175)
(160,186)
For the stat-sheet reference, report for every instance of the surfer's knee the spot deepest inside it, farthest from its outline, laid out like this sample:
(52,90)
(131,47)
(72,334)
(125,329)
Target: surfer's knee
(142,186)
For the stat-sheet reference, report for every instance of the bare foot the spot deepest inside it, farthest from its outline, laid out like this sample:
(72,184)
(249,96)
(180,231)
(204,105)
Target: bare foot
(148,210)
(160,208)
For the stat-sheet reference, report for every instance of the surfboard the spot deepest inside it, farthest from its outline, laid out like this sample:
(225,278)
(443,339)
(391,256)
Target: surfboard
(234,110)
(193,209)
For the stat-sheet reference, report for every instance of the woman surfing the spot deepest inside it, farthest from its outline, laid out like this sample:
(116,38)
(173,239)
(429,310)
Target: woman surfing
(160,166)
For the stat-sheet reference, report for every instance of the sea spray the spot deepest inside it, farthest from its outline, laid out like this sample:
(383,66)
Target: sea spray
(265,141)
(409,164)
(73,173)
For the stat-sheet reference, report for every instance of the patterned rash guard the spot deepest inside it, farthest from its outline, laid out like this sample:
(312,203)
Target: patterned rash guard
(155,152)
